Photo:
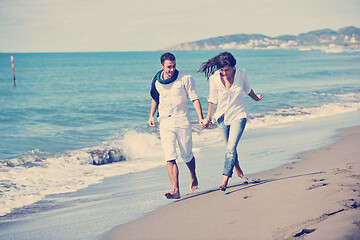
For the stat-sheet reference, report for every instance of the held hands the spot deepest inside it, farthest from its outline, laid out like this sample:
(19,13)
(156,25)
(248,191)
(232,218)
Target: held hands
(204,122)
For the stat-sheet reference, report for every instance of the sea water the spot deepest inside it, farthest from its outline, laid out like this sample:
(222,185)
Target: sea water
(74,119)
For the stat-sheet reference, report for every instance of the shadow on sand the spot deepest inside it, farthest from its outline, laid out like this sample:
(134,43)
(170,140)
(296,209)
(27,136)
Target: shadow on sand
(244,185)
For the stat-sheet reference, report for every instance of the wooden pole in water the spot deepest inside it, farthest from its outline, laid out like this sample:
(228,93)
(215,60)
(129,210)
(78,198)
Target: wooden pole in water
(13,70)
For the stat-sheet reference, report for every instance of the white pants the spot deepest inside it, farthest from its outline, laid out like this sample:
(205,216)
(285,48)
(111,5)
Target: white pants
(174,130)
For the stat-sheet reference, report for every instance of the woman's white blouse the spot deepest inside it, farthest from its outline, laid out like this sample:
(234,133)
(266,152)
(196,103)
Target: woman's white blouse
(230,102)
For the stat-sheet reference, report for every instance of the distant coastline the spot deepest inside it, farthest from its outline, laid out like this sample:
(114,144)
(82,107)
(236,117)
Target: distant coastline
(326,40)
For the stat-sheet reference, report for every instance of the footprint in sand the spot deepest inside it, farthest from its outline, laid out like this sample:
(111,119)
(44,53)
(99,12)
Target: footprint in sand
(357,176)
(319,180)
(317,185)
(340,171)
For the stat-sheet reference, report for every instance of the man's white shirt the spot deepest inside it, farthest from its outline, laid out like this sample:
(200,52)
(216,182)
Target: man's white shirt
(173,100)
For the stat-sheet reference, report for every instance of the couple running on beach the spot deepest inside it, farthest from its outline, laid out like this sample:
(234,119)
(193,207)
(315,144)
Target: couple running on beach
(170,91)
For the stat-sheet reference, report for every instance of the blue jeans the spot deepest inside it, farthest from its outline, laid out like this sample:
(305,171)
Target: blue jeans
(232,134)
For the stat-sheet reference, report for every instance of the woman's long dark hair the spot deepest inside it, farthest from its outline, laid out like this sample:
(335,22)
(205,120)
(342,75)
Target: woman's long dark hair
(219,61)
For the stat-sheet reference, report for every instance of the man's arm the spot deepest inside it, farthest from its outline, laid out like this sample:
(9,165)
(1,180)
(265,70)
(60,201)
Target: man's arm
(152,113)
(198,110)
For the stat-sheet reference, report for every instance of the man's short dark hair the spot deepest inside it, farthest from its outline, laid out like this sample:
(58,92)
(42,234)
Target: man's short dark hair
(167,56)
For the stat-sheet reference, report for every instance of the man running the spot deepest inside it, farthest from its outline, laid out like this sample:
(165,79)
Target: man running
(170,90)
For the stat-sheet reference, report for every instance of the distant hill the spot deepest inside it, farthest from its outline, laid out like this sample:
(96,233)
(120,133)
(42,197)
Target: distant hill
(344,37)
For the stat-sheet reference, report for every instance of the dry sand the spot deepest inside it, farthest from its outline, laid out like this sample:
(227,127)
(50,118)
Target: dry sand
(315,198)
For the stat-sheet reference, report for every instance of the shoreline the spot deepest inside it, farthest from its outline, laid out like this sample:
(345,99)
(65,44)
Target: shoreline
(316,196)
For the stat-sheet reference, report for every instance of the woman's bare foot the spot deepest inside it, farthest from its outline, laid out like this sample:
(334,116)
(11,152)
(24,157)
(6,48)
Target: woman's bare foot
(224,183)
(172,195)
(238,170)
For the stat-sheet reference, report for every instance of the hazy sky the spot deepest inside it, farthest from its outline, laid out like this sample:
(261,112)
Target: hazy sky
(146,25)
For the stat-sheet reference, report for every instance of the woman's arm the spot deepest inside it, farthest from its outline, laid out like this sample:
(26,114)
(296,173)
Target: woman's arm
(254,96)
(207,120)
(210,111)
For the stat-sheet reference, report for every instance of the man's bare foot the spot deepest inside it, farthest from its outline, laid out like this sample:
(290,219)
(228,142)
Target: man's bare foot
(194,184)
(238,170)
(172,195)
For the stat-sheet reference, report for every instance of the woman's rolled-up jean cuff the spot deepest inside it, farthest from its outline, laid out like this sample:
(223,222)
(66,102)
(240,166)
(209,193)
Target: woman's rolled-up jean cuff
(230,159)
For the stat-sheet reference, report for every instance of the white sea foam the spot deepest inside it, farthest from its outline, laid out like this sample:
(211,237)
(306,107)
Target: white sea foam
(349,103)
(30,178)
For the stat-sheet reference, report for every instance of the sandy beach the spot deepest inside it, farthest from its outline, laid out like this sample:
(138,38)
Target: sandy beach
(317,196)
